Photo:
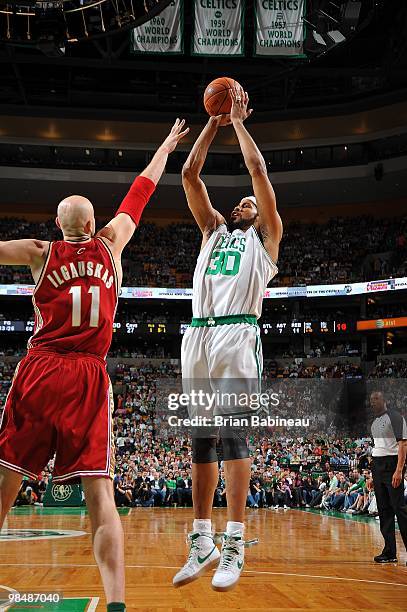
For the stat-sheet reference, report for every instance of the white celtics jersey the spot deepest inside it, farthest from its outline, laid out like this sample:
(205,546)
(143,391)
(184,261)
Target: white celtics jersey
(231,274)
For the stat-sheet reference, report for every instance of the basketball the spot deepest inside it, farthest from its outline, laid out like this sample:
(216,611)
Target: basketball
(217,98)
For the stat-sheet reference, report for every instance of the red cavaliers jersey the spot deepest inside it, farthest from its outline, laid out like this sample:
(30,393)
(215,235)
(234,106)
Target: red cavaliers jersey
(75,299)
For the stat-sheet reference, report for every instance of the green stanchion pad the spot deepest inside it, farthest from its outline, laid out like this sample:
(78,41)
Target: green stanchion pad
(59,494)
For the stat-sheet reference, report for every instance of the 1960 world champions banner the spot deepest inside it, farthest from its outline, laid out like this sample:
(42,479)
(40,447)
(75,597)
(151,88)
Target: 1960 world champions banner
(163,33)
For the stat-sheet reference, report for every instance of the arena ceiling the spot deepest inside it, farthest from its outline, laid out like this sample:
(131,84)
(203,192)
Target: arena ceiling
(103,75)
(40,189)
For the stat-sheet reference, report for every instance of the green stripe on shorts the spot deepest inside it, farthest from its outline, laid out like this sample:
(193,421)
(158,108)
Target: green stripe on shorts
(225,320)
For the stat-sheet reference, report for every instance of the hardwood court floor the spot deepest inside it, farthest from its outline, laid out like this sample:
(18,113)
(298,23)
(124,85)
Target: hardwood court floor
(305,561)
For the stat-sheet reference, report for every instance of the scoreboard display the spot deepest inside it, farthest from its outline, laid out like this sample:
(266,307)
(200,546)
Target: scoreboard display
(146,328)
(17,326)
(290,328)
(274,328)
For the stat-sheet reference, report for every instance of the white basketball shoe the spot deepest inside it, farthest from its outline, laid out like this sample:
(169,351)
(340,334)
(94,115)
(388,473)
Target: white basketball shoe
(230,564)
(203,554)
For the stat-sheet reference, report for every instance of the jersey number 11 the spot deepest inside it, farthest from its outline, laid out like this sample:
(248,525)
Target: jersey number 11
(76,292)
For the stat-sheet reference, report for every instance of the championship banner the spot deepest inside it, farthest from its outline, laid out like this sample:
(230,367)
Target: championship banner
(280,28)
(162,34)
(218,28)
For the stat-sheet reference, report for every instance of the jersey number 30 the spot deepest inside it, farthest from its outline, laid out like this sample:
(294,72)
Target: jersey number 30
(76,292)
(226,263)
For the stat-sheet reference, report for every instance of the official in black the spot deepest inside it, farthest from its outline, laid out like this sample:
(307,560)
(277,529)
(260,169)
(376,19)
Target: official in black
(389,432)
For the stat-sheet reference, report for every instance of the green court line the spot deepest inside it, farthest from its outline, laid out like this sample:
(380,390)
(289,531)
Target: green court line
(57,510)
(359,518)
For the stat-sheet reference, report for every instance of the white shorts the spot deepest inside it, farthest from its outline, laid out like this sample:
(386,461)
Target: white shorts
(225,358)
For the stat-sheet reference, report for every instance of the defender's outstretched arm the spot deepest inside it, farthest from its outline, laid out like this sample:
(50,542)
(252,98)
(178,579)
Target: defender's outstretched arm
(120,229)
(199,203)
(271,226)
(26,252)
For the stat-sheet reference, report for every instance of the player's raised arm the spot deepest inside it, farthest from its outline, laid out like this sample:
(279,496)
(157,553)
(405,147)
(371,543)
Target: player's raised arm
(27,252)
(120,229)
(271,226)
(199,203)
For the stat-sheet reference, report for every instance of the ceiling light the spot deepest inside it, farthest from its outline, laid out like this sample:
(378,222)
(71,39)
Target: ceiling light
(336,36)
(318,38)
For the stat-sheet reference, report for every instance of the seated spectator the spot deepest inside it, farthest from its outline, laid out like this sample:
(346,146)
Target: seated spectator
(146,495)
(170,489)
(255,493)
(283,494)
(122,494)
(184,490)
(329,491)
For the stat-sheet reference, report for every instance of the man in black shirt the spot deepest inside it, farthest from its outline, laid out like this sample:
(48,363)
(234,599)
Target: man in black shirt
(389,432)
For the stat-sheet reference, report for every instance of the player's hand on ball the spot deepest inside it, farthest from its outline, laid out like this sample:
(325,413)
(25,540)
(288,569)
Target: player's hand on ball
(175,135)
(240,101)
(221,120)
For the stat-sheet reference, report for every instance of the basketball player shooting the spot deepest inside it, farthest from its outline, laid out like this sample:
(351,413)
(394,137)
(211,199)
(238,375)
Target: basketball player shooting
(222,346)
(61,398)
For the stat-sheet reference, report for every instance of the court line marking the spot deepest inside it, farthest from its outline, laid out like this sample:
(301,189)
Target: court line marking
(344,519)
(93,604)
(244,572)
(6,535)
(326,577)
(5,606)
(338,518)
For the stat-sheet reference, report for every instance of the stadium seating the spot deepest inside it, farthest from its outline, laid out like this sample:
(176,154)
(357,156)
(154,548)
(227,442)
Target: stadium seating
(164,256)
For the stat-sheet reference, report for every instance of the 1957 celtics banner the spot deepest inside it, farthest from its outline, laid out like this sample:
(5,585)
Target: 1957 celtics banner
(279,27)
(218,28)
(162,34)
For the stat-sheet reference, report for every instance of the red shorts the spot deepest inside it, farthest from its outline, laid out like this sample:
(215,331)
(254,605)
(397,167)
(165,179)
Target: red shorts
(60,404)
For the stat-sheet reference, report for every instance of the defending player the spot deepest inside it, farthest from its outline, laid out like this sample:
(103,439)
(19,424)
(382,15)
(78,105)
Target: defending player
(222,345)
(61,398)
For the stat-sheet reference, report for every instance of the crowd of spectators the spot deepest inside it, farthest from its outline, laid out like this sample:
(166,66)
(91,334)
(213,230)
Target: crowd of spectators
(286,473)
(328,472)
(349,492)
(138,350)
(339,349)
(320,348)
(32,492)
(6,375)
(343,250)
(298,369)
(390,368)
(321,468)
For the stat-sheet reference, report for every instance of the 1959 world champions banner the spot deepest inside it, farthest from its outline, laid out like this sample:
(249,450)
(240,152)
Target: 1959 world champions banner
(218,28)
